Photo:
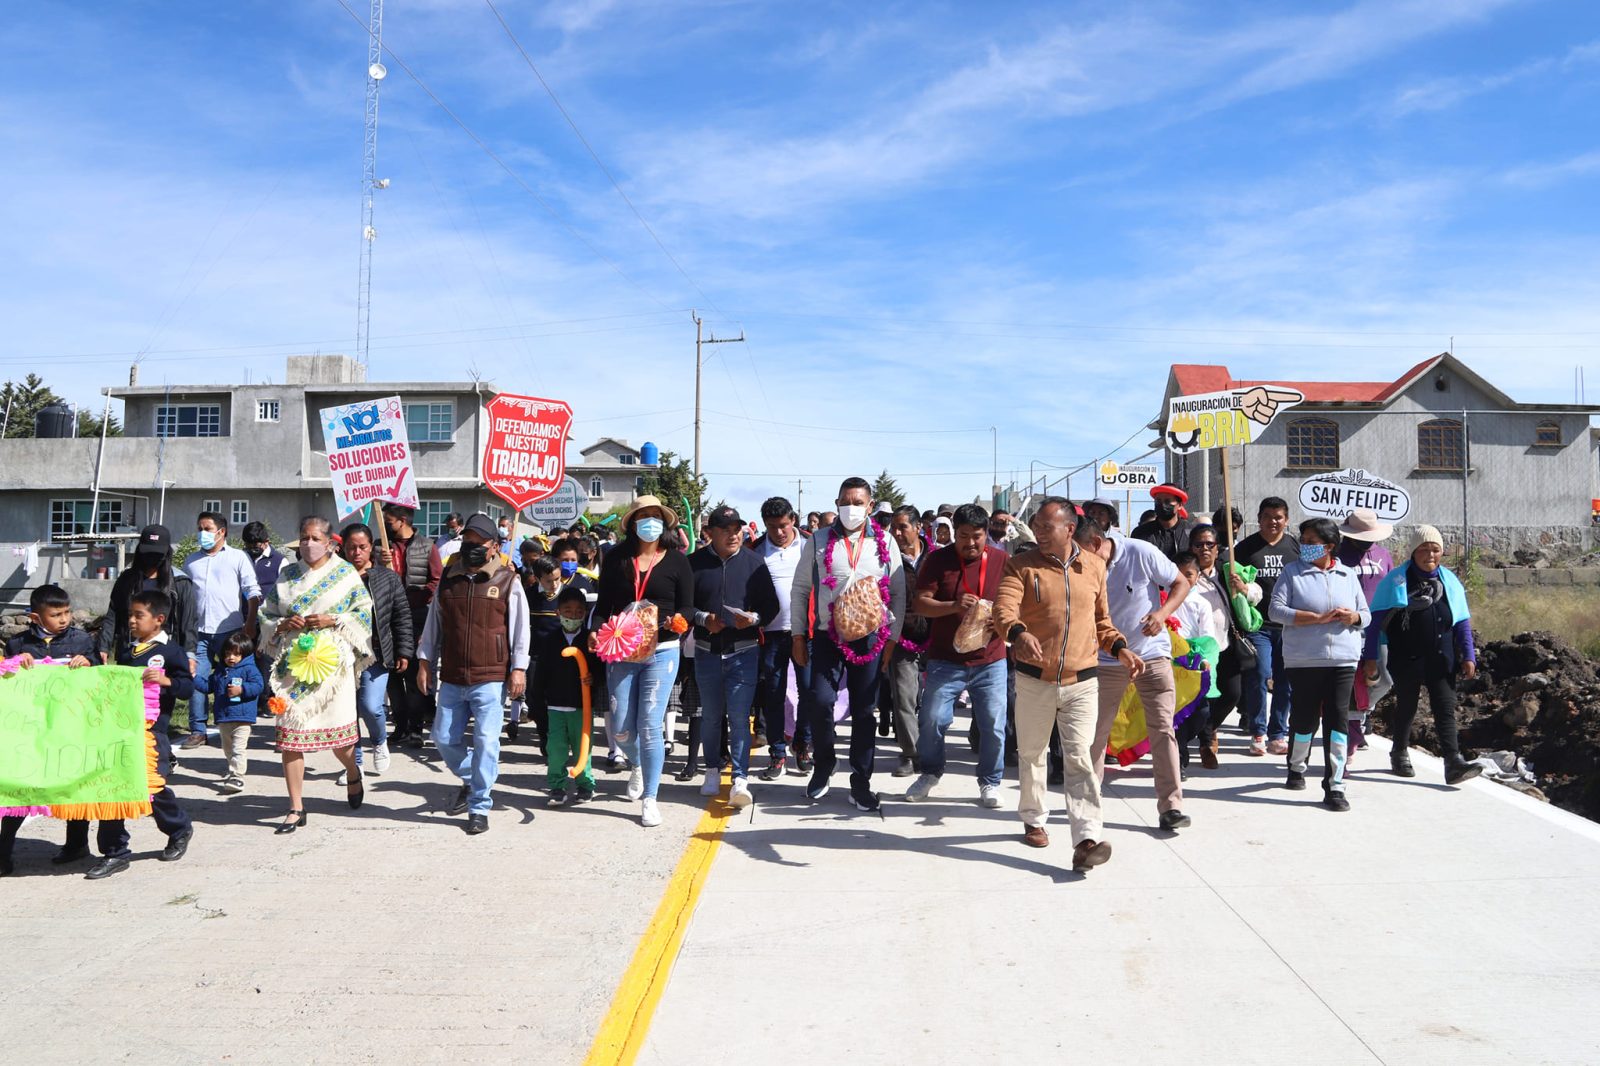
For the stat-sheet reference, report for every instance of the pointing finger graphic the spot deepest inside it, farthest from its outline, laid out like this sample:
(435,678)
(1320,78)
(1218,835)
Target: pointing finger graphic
(1261,403)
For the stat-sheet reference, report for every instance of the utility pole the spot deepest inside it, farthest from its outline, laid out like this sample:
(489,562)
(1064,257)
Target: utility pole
(800,496)
(698,363)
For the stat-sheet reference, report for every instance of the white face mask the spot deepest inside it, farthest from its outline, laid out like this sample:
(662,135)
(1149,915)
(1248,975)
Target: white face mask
(852,515)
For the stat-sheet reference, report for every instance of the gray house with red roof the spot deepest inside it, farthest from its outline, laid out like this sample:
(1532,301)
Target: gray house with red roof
(1471,457)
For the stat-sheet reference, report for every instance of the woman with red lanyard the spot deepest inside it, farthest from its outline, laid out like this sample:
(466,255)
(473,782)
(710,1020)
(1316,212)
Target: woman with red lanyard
(954,581)
(642,569)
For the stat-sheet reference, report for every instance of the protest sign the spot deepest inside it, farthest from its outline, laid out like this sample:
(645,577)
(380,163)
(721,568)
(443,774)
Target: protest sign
(1337,493)
(525,455)
(562,508)
(1207,420)
(1118,477)
(76,742)
(369,455)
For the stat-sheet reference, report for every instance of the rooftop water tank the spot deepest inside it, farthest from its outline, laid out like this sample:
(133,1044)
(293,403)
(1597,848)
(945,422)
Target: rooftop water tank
(649,454)
(55,421)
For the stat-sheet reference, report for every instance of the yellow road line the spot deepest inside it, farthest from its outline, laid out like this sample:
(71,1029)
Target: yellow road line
(622,1031)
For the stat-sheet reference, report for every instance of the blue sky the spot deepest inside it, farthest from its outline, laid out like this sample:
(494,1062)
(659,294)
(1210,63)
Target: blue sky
(928,219)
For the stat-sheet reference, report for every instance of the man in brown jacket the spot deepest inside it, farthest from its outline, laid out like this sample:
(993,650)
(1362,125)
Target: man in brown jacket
(1052,608)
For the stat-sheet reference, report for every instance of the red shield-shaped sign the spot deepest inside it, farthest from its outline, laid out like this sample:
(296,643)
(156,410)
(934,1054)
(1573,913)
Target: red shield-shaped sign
(525,458)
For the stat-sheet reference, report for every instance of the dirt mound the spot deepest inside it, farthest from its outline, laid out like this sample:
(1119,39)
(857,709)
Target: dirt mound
(1538,696)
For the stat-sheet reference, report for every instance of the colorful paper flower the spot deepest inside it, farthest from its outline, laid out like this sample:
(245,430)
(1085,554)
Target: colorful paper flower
(313,659)
(619,637)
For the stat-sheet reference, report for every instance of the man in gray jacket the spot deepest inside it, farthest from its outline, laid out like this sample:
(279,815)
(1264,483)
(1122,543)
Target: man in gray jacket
(850,550)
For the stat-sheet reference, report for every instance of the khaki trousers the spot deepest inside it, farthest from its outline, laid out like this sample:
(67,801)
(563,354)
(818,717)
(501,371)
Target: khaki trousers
(1073,710)
(1159,695)
(236,745)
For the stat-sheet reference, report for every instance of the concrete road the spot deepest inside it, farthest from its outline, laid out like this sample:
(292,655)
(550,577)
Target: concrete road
(1428,925)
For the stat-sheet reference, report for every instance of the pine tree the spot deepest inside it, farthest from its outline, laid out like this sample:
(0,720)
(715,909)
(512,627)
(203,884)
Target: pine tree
(673,482)
(20,404)
(886,490)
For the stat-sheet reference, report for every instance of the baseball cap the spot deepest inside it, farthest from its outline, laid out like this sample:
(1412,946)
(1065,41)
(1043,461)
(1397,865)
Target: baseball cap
(723,517)
(154,539)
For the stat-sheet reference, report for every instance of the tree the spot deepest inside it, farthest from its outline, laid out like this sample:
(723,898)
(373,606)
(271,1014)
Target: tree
(20,404)
(674,481)
(886,490)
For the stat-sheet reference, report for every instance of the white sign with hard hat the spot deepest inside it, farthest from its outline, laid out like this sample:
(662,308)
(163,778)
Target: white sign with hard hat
(1125,478)
(1206,420)
(1337,493)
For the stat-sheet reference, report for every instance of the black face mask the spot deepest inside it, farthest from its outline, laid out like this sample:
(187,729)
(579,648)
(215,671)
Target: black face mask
(1165,509)
(146,561)
(474,555)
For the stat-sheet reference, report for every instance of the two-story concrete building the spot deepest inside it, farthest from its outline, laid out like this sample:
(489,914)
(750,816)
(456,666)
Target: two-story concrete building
(612,472)
(251,452)
(1520,473)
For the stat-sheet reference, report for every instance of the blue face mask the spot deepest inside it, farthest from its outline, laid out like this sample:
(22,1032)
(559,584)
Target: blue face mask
(568,568)
(208,540)
(1311,553)
(650,529)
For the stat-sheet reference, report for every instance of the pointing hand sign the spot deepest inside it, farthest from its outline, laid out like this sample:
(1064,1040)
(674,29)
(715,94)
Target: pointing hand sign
(1261,403)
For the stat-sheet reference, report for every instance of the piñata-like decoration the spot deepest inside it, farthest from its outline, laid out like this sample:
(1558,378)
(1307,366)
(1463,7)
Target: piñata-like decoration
(621,636)
(313,659)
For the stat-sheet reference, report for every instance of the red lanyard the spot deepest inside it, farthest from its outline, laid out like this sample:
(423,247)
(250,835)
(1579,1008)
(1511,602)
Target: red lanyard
(983,574)
(642,578)
(854,556)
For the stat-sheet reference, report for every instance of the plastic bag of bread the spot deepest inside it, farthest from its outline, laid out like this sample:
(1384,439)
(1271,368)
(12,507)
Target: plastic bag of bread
(858,611)
(974,631)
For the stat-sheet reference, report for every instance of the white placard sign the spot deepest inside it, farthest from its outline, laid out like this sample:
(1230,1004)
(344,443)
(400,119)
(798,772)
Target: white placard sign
(1337,493)
(560,509)
(369,455)
(1118,477)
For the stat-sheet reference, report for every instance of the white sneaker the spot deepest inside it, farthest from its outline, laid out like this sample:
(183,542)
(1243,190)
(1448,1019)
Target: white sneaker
(636,787)
(921,788)
(740,796)
(989,796)
(649,816)
(712,784)
(380,757)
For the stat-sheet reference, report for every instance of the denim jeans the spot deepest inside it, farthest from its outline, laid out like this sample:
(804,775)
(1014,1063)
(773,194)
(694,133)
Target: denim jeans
(478,765)
(199,703)
(639,693)
(371,689)
(829,673)
(1269,667)
(727,690)
(772,686)
(987,684)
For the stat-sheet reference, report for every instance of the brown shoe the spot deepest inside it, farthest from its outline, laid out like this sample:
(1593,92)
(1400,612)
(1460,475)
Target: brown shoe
(1090,853)
(1035,837)
(1208,754)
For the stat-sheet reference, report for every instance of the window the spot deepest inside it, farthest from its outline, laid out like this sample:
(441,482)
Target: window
(495,511)
(431,423)
(638,486)
(267,410)
(1313,444)
(1547,433)
(1441,445)
(214,506)
(597,488)
(69,517)
(430,516)
(627,459)
(239,514)
(189,420)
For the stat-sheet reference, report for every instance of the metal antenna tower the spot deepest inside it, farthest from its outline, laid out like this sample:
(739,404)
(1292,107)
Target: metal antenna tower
(370,181)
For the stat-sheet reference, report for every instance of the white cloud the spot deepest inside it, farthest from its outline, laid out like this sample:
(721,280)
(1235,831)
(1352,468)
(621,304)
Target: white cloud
(1542,175)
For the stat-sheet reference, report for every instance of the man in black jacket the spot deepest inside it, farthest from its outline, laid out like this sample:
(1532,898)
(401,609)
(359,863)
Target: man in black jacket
(734,597)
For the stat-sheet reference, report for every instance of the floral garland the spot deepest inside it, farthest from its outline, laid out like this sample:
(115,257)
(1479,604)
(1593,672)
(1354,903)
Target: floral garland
(832,583)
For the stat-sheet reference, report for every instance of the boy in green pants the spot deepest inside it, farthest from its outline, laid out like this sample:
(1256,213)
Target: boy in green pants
(558,686)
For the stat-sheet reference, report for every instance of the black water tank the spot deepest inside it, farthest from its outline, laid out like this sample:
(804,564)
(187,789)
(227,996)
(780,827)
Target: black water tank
(55,421)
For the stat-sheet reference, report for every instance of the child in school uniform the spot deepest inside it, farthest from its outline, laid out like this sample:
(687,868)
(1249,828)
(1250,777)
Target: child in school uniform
(165,663)
(50,635)
(558,688)
(236,687)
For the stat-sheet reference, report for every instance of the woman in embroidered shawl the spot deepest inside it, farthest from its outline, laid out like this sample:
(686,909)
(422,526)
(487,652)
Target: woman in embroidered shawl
(317,627)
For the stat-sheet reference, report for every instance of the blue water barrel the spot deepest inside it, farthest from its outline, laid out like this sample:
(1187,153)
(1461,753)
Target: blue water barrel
(649,454)
(55,421)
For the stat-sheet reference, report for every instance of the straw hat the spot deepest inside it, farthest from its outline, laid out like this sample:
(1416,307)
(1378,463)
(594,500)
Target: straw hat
(649,503)
(1363,524)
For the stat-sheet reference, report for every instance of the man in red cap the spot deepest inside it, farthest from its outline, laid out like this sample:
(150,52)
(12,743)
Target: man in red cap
(1169,529)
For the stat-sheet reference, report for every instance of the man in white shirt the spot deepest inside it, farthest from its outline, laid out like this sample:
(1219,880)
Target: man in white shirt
(782,547)
(226,596)
(1136,573)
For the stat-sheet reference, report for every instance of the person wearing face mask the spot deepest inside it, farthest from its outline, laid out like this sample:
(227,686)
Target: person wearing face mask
(556,693)
(152,571)
(268,561)
(639,569)
(1419,613)
(1267,688)
(1319,603)
(227,597)
(1170,527)
(474,647)
(317,627)
(839,557)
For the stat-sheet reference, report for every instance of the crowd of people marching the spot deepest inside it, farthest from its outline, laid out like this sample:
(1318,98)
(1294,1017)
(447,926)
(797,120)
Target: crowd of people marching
(764,637)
